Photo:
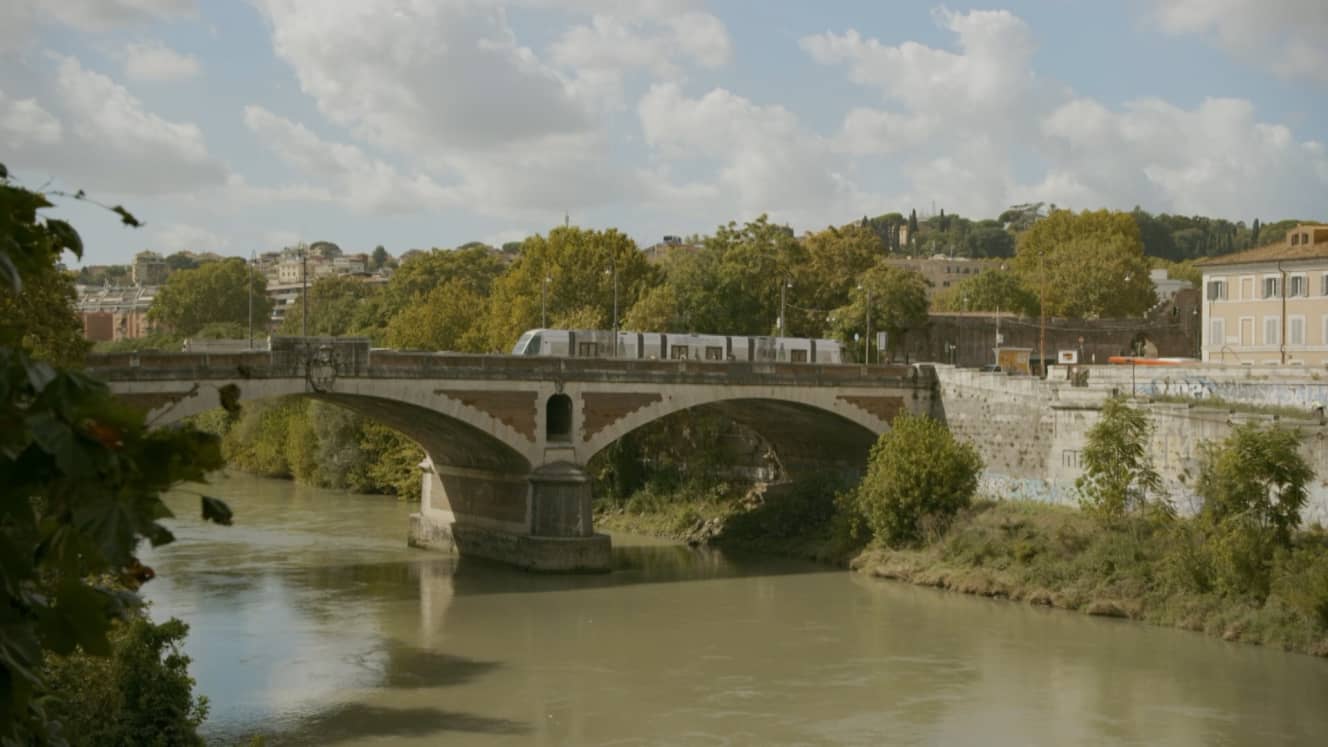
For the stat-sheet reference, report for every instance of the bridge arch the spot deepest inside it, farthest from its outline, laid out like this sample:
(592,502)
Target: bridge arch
(807,432)
(450,432)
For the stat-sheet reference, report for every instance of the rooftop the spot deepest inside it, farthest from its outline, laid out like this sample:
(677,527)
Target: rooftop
(1316,247)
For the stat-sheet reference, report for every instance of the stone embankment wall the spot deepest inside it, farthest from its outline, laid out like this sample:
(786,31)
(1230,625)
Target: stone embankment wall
(1275,386)
(1031,434)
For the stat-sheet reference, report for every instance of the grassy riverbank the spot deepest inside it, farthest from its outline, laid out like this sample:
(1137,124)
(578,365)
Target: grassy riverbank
(1060,557)
(1026,552)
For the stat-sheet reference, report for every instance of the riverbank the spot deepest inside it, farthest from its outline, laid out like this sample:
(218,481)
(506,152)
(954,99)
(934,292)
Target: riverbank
(1033,553)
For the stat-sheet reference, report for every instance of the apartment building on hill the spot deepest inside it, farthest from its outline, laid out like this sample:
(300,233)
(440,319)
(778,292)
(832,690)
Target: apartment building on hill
(1269,304)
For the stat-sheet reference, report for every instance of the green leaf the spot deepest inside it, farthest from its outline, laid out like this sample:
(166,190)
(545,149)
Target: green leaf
(126,217)
(230,398)
(216,510)
(40,373)
(56,438)
(109,524)
(9,274)
(65,235)
(85,611)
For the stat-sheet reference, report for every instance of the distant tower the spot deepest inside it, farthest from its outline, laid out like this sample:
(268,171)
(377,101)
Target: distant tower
(567,220)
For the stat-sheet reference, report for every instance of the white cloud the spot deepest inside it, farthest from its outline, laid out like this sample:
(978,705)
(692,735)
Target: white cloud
(350,176)
(24,122)
(427,78)
(92,132)
(967,122)
(1285,36)
(154,61)
(18,18)
(765,161)
(177,237)
(1215,159)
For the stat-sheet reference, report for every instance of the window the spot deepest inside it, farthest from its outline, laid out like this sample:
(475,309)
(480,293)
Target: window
(1272,287)
(1217,289)
(798,356)
(1295,239)
(587,350)
(1217,332)
(1323,284)
(1271,330)
(1295,330)
(678,352)
(714,353)
(1298,285)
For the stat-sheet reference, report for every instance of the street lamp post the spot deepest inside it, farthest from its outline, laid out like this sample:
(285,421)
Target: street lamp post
(544,303)
(613,269)
(251,300)
(783,286)
(304,291)
(866,343)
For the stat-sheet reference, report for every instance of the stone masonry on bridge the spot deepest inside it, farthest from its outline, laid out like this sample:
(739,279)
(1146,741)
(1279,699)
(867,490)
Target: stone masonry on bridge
(508,437)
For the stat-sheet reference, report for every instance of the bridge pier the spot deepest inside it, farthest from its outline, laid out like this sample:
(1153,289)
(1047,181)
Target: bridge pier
(537,522)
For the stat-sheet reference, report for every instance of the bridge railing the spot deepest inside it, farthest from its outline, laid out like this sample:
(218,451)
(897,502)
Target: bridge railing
(357,360)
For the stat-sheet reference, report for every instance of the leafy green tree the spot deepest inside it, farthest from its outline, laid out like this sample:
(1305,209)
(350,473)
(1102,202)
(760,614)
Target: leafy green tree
(912,226)
(993,290)
(579,265)
(41,321)
(1257,474)
(898,303)
(1118,468)
(181,261)
(418,275)
(1020,218)
(334,303)
(449,318)
(83,477)
(1086,265)
(918,478)
(988,239)
(379,259)
(212,292)
(835,259)
(658,310)
(141,694)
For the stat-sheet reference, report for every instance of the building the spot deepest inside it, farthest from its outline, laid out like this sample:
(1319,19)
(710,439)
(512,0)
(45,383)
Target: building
(943,272)
(1165,286)
(149,269)
(110,313)
(1269,304)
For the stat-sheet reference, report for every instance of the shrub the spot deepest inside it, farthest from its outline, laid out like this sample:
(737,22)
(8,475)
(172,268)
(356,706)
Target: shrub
(1118,473)
(1257,475)
(918,474)
(140,695)
(1301,580)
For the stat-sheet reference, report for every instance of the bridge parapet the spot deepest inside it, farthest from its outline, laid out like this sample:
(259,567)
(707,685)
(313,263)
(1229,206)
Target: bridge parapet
(357,361)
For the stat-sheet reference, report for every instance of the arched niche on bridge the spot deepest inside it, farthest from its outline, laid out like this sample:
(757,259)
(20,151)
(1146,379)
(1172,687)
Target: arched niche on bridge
(558,418)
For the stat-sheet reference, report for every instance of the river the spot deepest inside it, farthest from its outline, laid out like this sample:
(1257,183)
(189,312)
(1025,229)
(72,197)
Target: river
(312,623)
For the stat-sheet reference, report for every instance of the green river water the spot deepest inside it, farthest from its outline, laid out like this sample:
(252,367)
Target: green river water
(313,624)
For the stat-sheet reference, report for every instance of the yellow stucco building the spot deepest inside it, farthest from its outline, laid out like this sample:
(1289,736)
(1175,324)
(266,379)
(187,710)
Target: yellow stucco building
(1269,304)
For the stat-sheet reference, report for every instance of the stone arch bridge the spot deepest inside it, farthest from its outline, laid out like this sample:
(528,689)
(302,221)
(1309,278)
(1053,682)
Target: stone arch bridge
(508,437)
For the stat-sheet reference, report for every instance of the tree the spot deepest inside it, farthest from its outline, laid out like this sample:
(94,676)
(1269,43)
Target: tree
(379,258)
(418,275)
(1020,218)
(898,303)
(41,321)
(1086,265)
(83,477)
(579,265)
(1254,233)
(212,292)
(836,257)
(656,311)
(912,226)
(919,477)
(334,303)
(1118,469)
(449,318)
(181,261)
(1258,475)
(993,290)
(988,239)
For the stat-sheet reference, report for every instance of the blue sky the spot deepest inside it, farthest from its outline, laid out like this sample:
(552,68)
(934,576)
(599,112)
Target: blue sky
(246,126)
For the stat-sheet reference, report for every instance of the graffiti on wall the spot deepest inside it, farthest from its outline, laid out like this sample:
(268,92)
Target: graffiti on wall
(1282,394)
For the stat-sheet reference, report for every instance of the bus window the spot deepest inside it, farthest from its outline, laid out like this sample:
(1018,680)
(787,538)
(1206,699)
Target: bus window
(714,353)
(798,356)
(587,350)
(678,352)
(520,347)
